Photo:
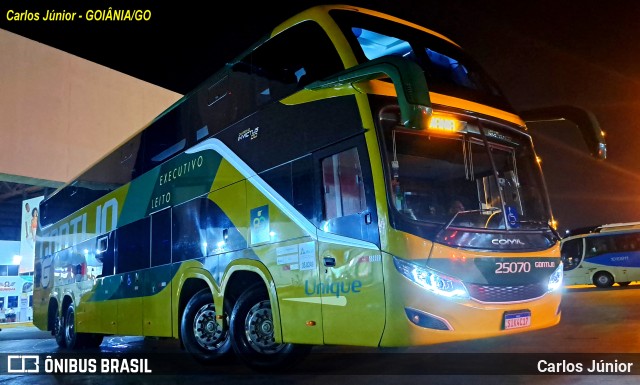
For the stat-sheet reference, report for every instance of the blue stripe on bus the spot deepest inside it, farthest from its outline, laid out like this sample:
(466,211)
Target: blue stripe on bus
(620,259)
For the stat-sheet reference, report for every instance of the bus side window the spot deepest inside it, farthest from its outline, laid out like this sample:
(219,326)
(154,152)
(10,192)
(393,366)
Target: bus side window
(200,228)
(165,139)
(280,179)
(133,246)
(304,194)
(346,193)
(599,245)
(343,185)
(635,242)
(591,248)
(161,238)
(294,182)
(105,256)
(110,173)
(627,242)
(113,171)
(292,59)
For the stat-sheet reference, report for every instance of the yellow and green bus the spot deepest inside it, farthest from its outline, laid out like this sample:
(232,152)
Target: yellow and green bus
(350,179)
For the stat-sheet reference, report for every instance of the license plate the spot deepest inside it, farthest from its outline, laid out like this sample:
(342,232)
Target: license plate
(517,319)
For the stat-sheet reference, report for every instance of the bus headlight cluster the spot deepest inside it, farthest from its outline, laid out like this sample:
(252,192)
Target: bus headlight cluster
(432,280)
(555,281)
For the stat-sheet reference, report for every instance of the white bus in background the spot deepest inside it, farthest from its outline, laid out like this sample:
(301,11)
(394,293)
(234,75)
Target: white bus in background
(618,227)
(610,254)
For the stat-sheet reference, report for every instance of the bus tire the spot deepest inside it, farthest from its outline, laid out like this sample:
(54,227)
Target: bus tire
(602,279)
(71,339)
(252,334)
(624,283)
(58,330)
(200,333)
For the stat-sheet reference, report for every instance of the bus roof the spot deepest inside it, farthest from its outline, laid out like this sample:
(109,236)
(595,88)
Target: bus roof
(608,229)
(618,227)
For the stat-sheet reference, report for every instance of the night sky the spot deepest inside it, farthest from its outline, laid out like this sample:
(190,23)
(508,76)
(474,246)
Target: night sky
(541,53)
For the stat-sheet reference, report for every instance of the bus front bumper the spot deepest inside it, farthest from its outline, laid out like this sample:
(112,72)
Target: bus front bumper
(415,316)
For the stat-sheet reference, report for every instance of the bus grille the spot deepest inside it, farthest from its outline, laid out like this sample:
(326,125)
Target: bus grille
(485,293)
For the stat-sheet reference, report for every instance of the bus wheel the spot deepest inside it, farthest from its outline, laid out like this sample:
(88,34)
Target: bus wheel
(58,331)
(252,333)
(199,331)
(69,328)
(624,283)
(603,279)
(73,339)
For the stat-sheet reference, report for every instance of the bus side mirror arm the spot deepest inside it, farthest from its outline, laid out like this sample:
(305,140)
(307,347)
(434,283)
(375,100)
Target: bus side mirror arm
(585,120)
(407,77)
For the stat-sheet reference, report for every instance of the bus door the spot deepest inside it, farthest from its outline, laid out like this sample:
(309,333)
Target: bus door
(350,280)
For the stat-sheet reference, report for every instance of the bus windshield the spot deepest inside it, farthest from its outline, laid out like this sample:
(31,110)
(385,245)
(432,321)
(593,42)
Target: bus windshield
(458,181)
(448,70)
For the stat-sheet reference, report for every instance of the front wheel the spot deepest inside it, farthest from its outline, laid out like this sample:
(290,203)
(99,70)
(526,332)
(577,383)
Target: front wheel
(603,279)
(253,334)
(199,331)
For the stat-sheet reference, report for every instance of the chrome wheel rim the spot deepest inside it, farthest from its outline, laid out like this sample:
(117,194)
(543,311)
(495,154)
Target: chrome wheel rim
(209,335)
(69,330)
(259,329)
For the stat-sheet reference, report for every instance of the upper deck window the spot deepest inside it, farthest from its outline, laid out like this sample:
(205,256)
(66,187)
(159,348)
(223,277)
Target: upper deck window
(376,45)
(448,69)
(451,68)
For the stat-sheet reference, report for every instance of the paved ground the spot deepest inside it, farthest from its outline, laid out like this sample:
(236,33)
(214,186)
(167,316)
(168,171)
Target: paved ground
(601,323)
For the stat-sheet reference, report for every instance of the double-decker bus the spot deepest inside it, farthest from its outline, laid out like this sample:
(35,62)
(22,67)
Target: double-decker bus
(610,254)
(351,179)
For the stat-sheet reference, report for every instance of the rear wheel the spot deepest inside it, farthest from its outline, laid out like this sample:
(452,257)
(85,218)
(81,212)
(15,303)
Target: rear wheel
(253,333)
(199,331)
(74,340)
(603,279)
(58,330)
(70,335)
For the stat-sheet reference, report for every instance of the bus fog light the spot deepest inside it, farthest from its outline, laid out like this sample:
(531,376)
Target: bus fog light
(427,320)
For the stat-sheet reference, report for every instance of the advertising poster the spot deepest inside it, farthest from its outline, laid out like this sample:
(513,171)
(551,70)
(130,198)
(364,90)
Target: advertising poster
(29,226)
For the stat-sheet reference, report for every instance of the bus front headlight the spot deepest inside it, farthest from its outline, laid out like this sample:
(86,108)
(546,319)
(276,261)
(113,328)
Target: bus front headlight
(555,280)
(431,280)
